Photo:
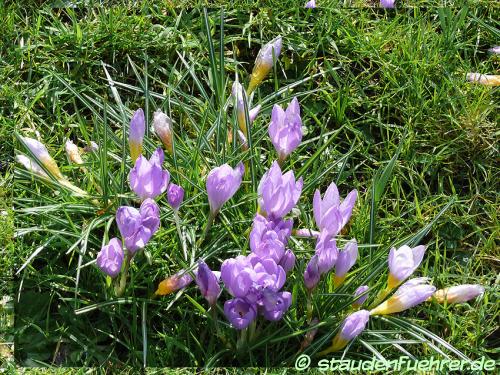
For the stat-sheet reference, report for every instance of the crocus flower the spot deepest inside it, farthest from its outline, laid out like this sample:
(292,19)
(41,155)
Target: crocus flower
(268,54)
(312,274)
(92,147)
(175,195)
(42,155)
(360,291)
(208,282)
(326,249)
(310,4)
(287,260)
(147,178)
(330,214)
(162,125)
(276,304)
(73,152)
(136,134)
(31,165)
(222,184)
(346,259)
(411,293)
(387,3)
(285,129)
(110,258)
(239,95)
(138,226)
(458,293)
(174,283)
(484,79)
(402,263)
(268,238)
(240,312)
(352,326)
(278,193)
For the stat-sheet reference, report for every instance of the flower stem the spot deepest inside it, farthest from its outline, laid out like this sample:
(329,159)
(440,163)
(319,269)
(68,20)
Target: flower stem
(309,306)
(380,297)
(120,288)
(242,340)
(179,233)
(208,225)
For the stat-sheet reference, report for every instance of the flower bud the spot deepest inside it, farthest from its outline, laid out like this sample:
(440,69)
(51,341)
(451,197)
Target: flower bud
(312,274)
(162,125)
(73,152)
(222,184)
(410,294)
(268,54)
(346,259)
(238,94)
(42,155)
(484,79)
(136,134)
(352,326)
(360,291)
(31,165)
(110,258)
(310,4)
(208,282)
(173,283)
(402,263)
(458,293)
(175,195)
(387,3)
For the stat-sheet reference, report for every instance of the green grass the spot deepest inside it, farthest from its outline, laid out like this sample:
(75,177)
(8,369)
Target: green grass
(372,82)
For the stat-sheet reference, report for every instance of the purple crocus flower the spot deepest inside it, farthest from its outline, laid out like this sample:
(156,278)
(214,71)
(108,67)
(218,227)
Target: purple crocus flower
(310,4)
(136,134)
(268,238)
(330,214)
(403,262)
(285,129)
(361,290)
(175,195)
(346,259)
(410,294)
(208,282)
(138,226)
(110,258)
(147,178)
(327,252)
(222,184)
(240,312)
(312,274)
(287,260)
(352,326)
(387,3)
(278,193)
(495,50)
(458,293)
(264,62)
(276,304)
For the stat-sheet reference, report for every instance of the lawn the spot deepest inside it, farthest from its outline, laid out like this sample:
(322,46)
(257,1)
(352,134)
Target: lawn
(386,109)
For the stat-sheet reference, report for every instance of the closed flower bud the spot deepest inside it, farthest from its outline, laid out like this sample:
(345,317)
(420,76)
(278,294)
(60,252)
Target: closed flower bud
(136,134)
(361,291)
(264,62)
(495,50)
(174,283)
(147,178)
(208,282)
(312,274)
(402,263)
(285,129)
(287,261)
(162,125)
(239,95)
(352,327)
(326,249)
(31,165)
(458,293)
(43,157)
(410,294)
(110,258)
(222,184)
(175,195)
(484,79)
(346,259)
(73,152)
